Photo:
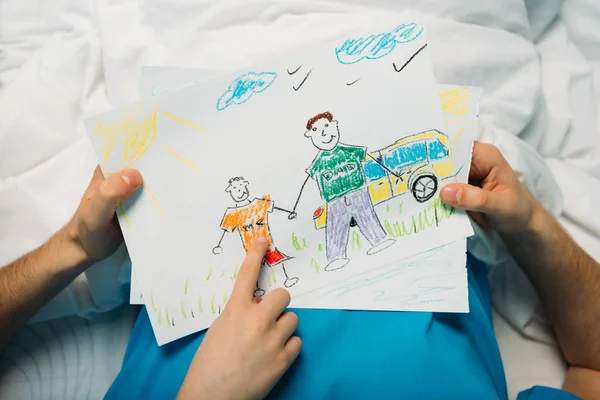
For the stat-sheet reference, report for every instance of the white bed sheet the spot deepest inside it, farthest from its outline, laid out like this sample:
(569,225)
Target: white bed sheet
(67,358)
(539,63)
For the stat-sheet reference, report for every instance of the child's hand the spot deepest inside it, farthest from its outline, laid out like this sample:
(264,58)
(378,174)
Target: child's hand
(249,346)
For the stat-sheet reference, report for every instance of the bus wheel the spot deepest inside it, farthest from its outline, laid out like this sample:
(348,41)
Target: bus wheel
(424,187)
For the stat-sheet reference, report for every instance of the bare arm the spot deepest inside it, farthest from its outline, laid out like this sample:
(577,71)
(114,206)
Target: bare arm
(566,278)
(218,249)
(583,382)
(293,213)
(34,279)
(283,209)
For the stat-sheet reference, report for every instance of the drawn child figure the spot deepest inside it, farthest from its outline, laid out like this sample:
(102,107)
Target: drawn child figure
(337,168)
(250,219)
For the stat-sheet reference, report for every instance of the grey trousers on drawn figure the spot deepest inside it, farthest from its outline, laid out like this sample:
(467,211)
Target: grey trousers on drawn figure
(355,204)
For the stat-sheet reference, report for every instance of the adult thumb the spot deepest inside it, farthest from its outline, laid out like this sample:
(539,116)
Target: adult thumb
(112,191)
(467,197)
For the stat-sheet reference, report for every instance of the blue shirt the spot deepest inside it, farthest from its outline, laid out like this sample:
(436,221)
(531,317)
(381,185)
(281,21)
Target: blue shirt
(355,354)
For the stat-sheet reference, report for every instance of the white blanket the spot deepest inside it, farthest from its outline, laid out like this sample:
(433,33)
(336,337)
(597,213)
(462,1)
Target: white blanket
(59,61)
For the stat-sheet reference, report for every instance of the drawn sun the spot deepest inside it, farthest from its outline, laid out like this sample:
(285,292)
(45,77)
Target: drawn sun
(130,135)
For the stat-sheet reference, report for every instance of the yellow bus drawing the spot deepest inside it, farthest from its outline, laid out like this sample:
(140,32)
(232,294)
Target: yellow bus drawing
(413,163)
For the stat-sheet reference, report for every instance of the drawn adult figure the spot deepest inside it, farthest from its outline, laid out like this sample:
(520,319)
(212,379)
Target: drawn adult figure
(337,168)
(250,219)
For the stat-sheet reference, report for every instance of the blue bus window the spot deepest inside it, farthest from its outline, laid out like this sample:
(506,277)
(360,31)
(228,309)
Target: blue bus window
(437,150)
(390,160)
(373,171)
(412,154)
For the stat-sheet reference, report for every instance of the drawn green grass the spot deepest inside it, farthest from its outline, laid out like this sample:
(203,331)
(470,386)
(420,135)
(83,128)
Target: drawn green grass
(355,240)
(152,301)
(213,308)
(183,313)
(432,215)
(315,265)
(271,277)
(186,286)
(298,244)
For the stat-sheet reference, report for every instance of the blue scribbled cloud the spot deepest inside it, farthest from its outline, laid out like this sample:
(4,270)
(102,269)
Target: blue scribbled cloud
(377,46)
(244,87)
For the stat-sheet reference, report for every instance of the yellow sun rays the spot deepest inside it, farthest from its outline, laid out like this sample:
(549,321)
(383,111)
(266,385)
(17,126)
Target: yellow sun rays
(177,156)
(137,133)
(182,159)
(125,215)
(185,122)
(456,137)
(147,189)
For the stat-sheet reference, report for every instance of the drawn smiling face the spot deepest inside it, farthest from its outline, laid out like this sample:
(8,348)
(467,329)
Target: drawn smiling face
(238,189)
(324,134)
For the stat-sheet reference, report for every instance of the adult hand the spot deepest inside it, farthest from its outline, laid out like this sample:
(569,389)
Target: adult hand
(494,197)
(31,281)
(94,227)
(249,346)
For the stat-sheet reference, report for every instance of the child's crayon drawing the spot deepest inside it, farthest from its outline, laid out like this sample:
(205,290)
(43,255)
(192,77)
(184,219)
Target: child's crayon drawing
(375,149)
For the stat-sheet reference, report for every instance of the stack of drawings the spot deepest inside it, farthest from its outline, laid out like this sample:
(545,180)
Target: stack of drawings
(336,153)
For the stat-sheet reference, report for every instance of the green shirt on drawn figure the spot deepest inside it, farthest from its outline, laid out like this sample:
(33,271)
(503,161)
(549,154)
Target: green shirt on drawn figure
(339,171)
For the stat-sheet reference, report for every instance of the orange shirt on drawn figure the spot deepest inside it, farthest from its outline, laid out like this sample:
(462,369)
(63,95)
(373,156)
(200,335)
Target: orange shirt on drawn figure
(250,220)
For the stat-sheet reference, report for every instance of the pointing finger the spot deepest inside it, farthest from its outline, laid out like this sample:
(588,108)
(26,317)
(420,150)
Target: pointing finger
(245,282)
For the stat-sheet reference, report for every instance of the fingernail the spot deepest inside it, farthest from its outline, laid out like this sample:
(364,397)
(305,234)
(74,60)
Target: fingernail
(132,178)
(261,240)
(451,195)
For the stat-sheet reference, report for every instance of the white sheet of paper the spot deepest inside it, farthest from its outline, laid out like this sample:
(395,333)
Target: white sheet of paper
(441,272)
(178,215)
